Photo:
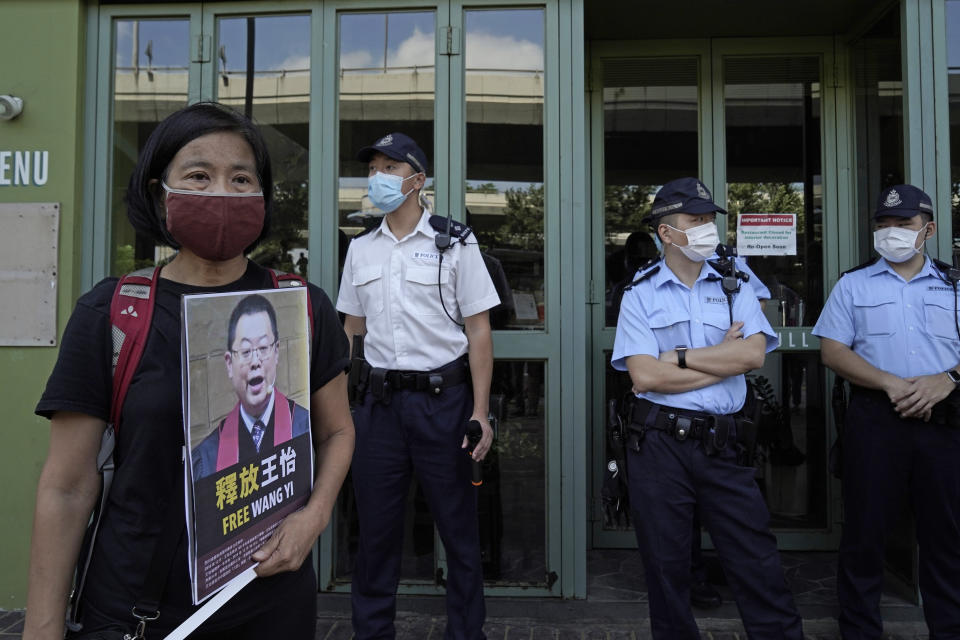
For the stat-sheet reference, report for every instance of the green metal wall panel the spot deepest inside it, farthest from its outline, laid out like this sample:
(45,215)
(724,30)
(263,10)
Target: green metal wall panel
(575,226)
(926,111)
(42,46)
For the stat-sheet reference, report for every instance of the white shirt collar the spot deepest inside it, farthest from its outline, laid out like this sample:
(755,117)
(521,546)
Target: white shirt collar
(423,226)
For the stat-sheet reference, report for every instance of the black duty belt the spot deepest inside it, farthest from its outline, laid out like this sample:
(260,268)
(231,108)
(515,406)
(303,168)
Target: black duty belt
(876,395)
(715,431)
(457,372)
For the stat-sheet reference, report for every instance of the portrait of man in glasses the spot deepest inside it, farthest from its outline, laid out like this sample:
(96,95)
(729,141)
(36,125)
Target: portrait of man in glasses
(263,417)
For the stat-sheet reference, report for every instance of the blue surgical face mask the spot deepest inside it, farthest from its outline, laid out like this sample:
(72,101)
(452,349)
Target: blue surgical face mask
(386,191)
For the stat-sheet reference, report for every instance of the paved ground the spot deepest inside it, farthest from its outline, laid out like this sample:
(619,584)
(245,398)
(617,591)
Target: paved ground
(545,620)
(431,628)
(615,608)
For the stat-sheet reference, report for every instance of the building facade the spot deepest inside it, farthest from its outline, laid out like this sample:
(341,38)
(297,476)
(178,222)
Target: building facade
(549,126)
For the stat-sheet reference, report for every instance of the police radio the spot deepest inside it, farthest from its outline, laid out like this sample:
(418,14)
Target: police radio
(730,278)
(474,433)
(442,238)
(447,233)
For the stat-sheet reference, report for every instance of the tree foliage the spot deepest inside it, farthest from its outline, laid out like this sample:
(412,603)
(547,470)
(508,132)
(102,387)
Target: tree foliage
(764,197)
(625,206)
(288,228)
(522,226)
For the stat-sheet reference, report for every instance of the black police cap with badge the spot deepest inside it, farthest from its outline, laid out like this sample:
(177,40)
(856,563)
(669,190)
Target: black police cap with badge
(683,195)
(903,201)
(398,146)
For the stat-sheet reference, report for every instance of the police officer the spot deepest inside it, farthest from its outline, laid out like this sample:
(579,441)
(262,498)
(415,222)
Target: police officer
(637,252)
(421,298)
(890,328)
(686,361)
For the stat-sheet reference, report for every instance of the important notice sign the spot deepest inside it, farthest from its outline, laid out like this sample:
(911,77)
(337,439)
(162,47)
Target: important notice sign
(767,234)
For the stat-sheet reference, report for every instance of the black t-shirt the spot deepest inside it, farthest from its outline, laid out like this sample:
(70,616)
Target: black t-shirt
(148,482)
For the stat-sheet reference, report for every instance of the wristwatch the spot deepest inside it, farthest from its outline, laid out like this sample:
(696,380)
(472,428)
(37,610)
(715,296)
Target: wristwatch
(682,357)
(954,376)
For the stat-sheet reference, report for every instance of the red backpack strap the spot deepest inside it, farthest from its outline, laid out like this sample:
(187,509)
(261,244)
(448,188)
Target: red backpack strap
(282,280)
(131,311)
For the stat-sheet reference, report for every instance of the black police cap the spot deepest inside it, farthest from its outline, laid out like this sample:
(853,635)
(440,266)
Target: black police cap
(398,146)
(903,201)
(683,195)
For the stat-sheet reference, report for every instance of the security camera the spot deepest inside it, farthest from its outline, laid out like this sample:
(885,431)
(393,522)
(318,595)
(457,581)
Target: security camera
(10,107)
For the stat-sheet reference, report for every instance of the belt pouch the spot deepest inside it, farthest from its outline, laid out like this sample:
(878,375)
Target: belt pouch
(379,385)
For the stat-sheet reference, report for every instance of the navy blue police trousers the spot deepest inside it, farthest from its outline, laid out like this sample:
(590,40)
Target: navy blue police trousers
(671,480)
(416,433)
(888,463)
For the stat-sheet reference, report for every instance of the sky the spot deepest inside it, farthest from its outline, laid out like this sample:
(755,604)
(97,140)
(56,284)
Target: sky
(495,39)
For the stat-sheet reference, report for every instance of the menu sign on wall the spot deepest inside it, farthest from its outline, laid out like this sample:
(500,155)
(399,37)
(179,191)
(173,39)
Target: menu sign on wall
(24,168)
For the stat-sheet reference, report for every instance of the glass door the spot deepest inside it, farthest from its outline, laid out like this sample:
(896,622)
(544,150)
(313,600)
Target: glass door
(387,72)
(756,121)
(160,59)
(773,128)
(647,122)
(260,66)
(460,79)
(470,81)
(147,71)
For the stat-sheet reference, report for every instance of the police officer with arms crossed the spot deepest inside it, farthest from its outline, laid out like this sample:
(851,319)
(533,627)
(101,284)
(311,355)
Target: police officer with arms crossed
(890,328)
(419,397)
(686,361)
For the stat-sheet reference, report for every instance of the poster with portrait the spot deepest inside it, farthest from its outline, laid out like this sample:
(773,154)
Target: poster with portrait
(246,399)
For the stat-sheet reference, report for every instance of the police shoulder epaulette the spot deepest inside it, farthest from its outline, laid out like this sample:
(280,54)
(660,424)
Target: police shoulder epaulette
(648,270)
(458,231)
(860,266)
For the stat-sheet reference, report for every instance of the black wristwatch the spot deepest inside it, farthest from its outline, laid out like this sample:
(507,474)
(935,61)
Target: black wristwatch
(682,356)
(954,376)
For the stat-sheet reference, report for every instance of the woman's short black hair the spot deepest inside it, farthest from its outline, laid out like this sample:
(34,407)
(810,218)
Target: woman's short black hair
(172,134)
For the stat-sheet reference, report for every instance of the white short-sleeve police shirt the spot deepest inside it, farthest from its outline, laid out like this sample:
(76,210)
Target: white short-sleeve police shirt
(393,284)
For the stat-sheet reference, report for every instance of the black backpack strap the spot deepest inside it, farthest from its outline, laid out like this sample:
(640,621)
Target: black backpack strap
(147,606)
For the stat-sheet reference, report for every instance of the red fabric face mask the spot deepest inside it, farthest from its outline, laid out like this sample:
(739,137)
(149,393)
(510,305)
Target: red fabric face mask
(215,226)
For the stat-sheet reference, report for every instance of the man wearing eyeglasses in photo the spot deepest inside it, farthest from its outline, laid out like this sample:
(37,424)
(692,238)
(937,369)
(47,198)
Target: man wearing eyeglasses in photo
(267,416)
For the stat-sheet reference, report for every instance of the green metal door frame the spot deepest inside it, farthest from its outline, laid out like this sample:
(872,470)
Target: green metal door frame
(926,110)
(836,188)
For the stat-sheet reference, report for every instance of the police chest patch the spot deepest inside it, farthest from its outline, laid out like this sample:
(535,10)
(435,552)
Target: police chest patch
(426,255)
(936,288)
(714,300)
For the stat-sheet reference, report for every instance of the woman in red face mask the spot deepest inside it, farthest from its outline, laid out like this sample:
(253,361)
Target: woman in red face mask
(203,186)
